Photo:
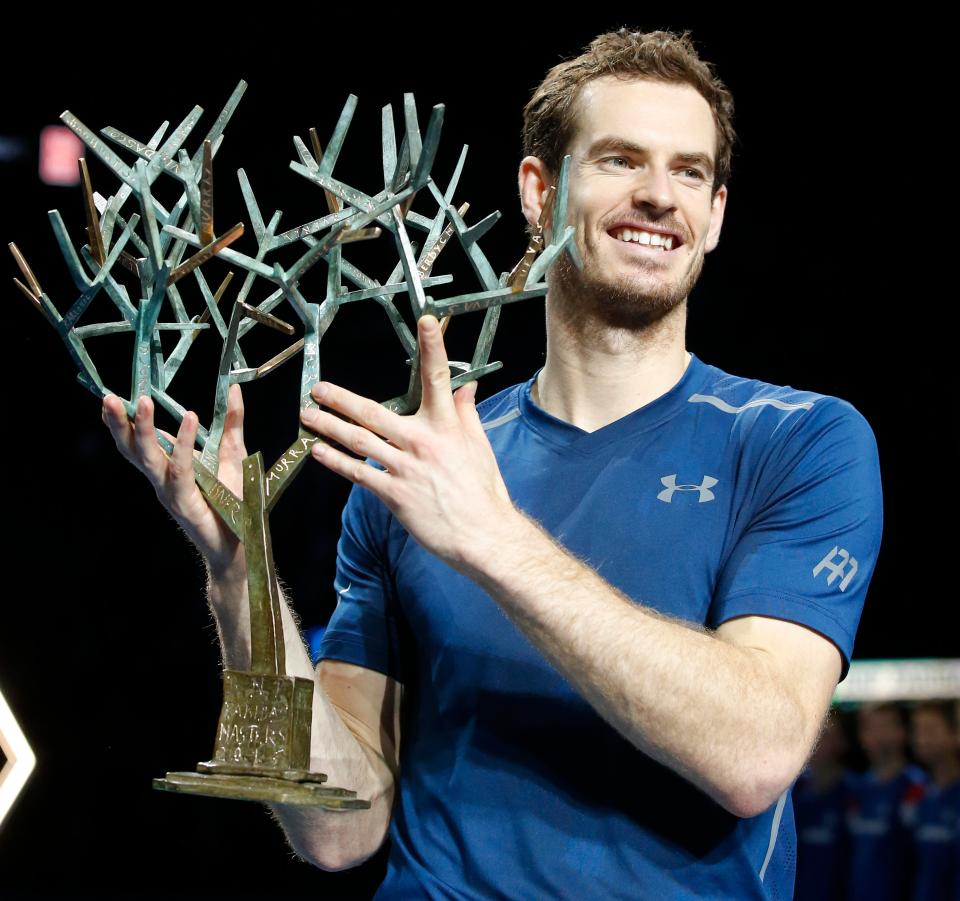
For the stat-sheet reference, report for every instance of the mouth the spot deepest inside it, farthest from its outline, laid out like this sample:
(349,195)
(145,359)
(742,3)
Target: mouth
(650,241)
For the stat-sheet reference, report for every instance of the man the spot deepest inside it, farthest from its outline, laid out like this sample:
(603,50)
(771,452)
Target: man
(883,807)
(820,799)
(936,829)
(612,601)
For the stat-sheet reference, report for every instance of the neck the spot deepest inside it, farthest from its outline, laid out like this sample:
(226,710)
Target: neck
(889,767)
(595,373)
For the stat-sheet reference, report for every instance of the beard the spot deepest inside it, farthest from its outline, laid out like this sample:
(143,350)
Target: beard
(621,303)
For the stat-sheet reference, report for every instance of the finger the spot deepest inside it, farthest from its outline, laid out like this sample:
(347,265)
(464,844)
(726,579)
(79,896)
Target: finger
(232,440)
(152,459)
(114,417)
(171,438)
(357,471)
(353,437)
(362,410)
(180,469)
(464,399)
(437,400)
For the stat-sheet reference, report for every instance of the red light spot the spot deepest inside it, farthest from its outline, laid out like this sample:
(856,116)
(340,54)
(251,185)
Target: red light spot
(60,149)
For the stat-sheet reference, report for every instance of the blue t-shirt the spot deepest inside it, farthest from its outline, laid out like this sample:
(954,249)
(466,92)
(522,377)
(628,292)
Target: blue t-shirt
(936,833)
(823,842)
(881,818)
(722,497)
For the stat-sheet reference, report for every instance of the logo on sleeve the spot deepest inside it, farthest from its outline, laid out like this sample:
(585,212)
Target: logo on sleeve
(670,486)
(844,570)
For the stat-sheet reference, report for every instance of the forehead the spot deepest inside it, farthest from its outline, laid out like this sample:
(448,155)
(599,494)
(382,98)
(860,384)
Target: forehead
(674,117)
(869,716)
(927,718)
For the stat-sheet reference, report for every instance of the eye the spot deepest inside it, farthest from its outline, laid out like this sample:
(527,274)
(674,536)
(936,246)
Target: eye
(695,172)
(615,160)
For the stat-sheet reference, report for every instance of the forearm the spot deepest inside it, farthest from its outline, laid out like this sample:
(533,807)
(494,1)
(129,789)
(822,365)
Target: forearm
(712,711)
(329,839)
(230,605)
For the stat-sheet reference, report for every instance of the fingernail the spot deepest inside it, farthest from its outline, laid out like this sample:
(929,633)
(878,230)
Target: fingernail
(319,391)
(430,323)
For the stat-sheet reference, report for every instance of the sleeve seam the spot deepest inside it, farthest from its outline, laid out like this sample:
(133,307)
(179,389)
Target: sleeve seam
(349,650)
(375,666)
(362,642)
(791,598)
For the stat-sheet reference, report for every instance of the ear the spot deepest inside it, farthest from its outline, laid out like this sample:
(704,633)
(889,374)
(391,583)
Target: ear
(534,179)
(717,207)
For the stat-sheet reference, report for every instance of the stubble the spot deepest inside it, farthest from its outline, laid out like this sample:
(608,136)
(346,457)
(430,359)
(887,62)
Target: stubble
(625,302)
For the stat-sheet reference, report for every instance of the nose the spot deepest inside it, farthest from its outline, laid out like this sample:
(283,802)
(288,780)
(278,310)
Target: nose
(654,189)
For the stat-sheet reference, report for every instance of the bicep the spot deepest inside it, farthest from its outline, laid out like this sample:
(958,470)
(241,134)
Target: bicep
(812,533)
(804,663)
(368,701)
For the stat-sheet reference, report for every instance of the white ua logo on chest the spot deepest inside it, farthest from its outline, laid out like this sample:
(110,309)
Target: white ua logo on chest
(670,486)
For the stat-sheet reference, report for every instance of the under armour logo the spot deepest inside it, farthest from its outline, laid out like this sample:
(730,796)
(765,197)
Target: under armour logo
(838,569)
(670,485)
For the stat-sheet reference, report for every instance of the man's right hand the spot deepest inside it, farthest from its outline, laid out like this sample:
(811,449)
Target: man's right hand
(173,479)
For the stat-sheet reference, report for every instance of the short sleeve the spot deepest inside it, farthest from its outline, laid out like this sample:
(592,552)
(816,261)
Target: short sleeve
(364,628)
(810,547)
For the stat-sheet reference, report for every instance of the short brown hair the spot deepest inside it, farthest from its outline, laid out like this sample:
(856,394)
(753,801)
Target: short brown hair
(550,114)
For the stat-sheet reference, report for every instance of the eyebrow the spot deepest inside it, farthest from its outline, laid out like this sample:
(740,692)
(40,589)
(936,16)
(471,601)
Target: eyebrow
(604,144)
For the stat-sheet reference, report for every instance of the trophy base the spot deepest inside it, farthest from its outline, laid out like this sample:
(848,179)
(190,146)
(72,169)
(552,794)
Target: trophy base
(235,769)
(261,788)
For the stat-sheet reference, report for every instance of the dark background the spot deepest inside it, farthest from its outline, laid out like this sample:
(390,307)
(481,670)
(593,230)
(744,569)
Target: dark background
(107,652)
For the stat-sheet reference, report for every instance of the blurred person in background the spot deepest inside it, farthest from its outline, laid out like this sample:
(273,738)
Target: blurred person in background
(936,747)
(883,807)
(820,800)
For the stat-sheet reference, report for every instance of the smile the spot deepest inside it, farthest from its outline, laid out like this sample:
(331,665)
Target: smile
(648,239)
(651,242)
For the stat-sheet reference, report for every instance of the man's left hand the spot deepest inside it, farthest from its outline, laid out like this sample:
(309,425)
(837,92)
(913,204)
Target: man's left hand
(442,480)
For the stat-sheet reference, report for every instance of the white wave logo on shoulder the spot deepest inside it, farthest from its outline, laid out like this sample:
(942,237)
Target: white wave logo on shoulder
(342,591)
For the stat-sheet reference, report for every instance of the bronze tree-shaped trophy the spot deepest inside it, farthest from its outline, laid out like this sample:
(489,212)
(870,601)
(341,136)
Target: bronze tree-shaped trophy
(262,746)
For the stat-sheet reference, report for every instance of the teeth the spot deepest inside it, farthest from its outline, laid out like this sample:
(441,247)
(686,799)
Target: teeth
(653,239)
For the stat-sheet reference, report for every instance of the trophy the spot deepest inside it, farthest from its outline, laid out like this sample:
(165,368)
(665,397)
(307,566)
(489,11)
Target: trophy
(143,259)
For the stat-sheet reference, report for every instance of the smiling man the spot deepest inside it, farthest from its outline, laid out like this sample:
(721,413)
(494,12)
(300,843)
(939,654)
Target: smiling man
(681,554)
(587,630)
(637,268)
